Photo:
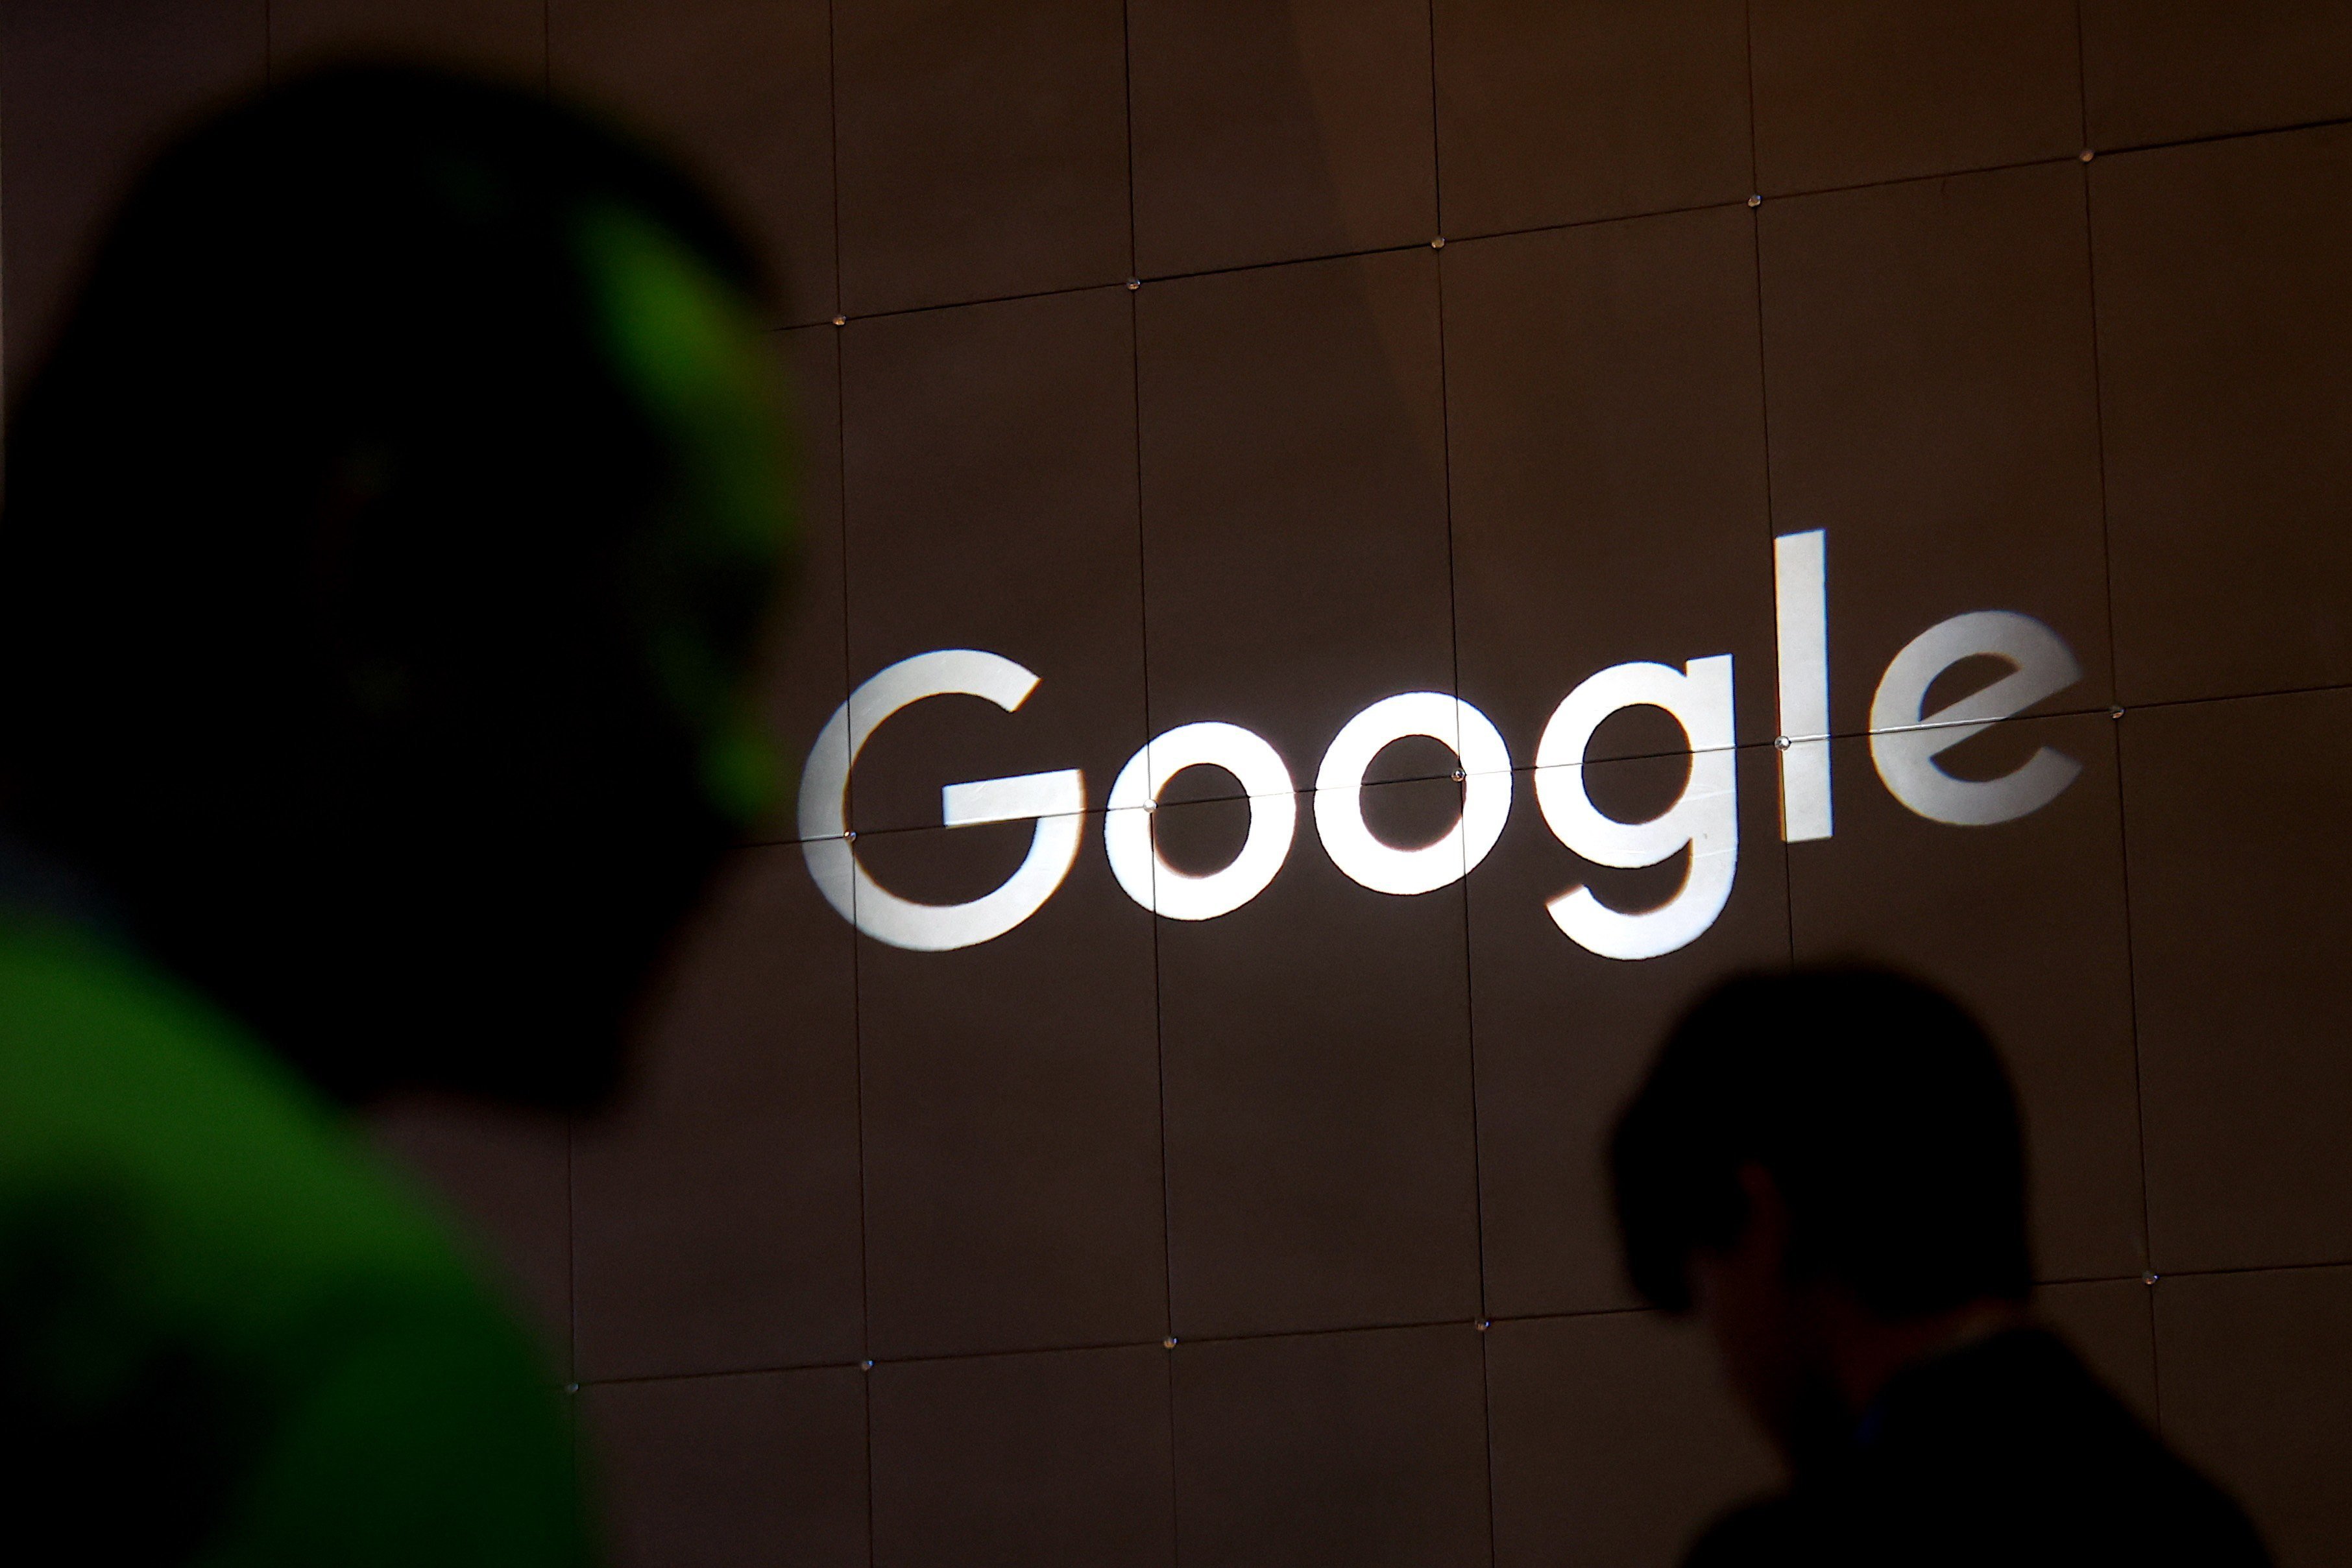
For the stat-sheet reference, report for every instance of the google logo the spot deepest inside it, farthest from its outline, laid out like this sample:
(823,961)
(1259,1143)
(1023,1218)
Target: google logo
(1905,742)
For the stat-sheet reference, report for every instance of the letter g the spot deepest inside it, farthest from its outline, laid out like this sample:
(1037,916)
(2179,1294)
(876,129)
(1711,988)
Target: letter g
(1054,801)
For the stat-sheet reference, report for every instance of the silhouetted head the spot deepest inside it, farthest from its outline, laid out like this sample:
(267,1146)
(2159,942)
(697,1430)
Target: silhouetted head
(1821,1161)
(385,542)
(1882,1114)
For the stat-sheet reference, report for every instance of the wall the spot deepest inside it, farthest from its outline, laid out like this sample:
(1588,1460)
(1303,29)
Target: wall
(1127,350)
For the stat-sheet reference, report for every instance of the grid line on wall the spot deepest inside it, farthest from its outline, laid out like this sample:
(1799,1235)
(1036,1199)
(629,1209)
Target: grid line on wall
(1567,1315)
(1143,646)
(856,997)
(2115,676)
(1630,216)
(1754,205)
(1454,651)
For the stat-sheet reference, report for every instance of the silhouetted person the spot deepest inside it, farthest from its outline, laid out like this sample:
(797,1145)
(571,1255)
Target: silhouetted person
(1827,1167)
(384,544)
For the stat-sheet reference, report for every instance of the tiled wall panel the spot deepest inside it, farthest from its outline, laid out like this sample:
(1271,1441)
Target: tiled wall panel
(982,148)
(804,658)
(1557,111)
(2258,1385)
(743,89)
(1933,403)
(1605,444)
(1362,1448)
(1610,1433)
(1852,95)
(750,1471)
(2170,70)
(715,1222)
(1321,1171)
(990,481)
(505,37)
(2237,871)
(1016,1459)
(1273,133)
(1012,1114)
(2225,360)
(1122,345)
(1294,495)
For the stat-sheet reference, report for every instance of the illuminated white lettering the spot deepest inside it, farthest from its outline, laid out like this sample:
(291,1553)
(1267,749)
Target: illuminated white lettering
(1704,818)
(1905,742)
(1054,801)
(1135,858)
(1485,793)
(1800,616)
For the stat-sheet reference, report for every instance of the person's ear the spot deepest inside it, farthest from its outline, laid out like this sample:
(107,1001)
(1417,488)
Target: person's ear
(1756,1252)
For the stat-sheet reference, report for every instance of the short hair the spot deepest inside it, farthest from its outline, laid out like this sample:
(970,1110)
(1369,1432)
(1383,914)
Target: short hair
(1882,1112)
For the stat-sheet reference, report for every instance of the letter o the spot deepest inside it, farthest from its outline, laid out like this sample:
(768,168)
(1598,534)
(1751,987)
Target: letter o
(1485,793)
(1135,860)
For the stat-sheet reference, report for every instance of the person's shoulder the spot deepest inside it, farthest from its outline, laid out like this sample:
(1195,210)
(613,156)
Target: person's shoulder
(2014,1441)
(1787,1529)
(119,1087)
(181,1213)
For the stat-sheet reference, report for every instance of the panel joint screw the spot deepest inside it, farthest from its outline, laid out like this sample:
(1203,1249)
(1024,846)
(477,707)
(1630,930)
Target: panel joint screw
(841,320)
(2088,154)
(2147,1278)
(2115,713)
(1133,284)
(1755,201)
(1483,1325)
(865,1366)
(1783,742)
(1437,243)
(1168,1343)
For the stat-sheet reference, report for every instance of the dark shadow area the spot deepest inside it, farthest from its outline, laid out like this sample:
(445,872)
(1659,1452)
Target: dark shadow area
(387,542)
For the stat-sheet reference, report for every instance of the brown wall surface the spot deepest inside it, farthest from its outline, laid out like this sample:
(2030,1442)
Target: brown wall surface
(1127,347)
